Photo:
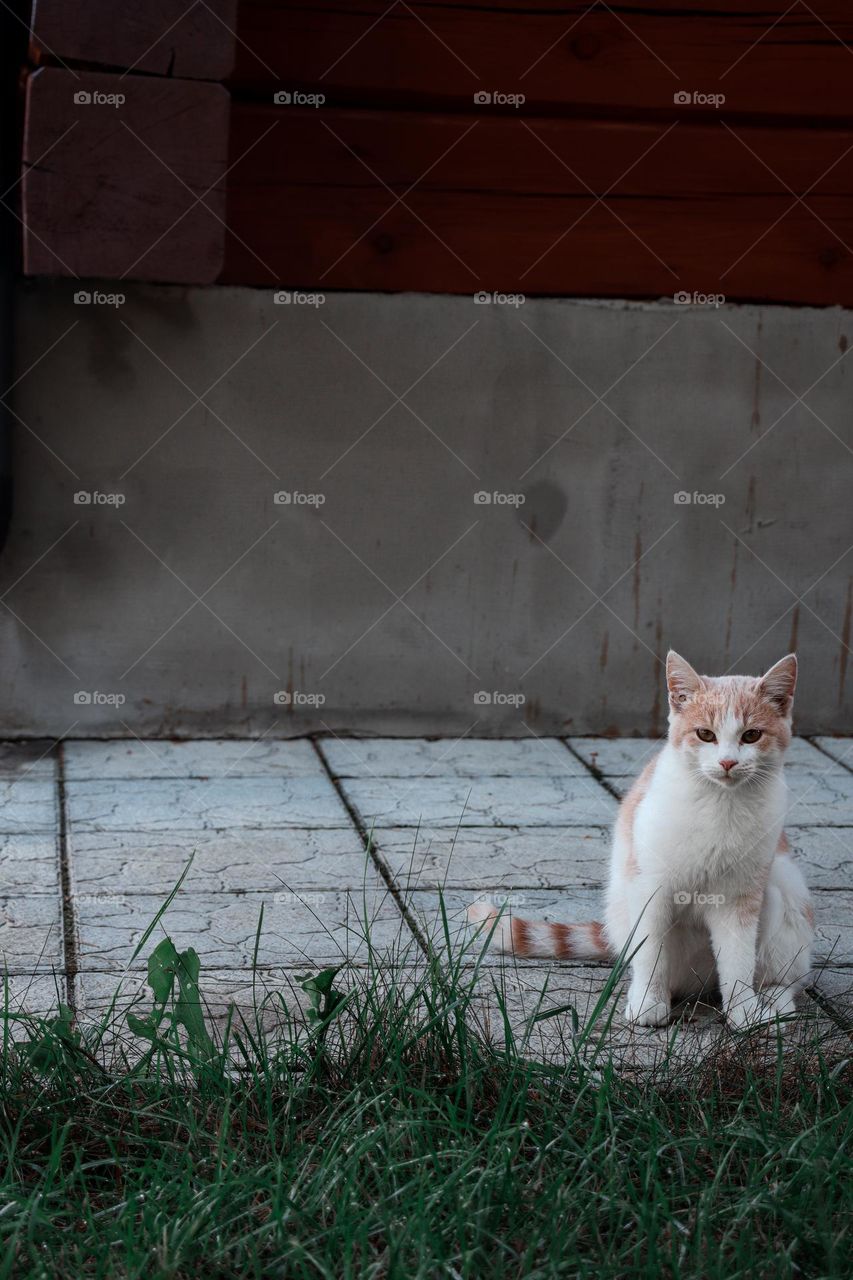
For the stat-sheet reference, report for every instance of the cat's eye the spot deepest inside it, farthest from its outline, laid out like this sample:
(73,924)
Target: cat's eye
(706,735)
(751,735)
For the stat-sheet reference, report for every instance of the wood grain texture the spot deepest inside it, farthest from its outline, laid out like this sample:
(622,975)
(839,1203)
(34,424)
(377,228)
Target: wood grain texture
(315,202)
(620,58)
(600,184)
(112,190)
(163,37)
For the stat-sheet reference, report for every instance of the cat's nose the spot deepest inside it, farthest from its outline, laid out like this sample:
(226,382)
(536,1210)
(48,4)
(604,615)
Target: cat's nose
(727,764)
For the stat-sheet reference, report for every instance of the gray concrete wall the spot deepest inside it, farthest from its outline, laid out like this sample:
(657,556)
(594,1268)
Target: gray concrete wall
(400,597)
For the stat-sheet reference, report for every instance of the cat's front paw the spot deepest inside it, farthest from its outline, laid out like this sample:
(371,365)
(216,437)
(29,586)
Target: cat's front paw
(646,1010)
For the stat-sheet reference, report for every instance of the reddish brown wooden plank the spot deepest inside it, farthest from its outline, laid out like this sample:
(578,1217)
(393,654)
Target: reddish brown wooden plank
(497,239)
(110,190)
(166,37)
(699,208)
(529,156)
(622,58)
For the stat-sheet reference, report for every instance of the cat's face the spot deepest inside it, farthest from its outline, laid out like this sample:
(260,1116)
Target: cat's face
(731,729)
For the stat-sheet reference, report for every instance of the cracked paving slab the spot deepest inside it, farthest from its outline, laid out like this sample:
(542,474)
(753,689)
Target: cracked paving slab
(29,863)
(840,749)
(484,859)
(311,927)
(248,861)
(194,804)
(28,805)
(446,758)
(481,802)
(28,996)
(825,855)
(31,933)
(200,758)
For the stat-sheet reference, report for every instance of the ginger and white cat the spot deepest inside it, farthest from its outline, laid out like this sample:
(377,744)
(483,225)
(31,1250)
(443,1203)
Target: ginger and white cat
(702,885)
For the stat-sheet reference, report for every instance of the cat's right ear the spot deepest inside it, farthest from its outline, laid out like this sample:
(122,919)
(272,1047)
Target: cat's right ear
(681,680)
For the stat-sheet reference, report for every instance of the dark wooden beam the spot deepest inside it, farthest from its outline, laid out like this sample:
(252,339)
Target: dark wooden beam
(767,59)
(110,187)
(688,207)
(161,37)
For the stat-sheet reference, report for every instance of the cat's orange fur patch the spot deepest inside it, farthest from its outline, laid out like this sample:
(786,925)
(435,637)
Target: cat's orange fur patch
(520,935)
(625,817)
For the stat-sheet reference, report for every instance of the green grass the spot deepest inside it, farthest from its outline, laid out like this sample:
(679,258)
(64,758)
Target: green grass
(385,1137)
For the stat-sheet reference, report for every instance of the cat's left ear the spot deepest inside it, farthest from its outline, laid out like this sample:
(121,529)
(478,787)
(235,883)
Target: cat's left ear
(779,682)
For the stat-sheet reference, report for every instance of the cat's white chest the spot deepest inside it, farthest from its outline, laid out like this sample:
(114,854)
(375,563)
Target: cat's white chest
(687,829)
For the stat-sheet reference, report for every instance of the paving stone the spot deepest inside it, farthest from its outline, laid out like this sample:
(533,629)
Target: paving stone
(836,983)
(308,928)
(824,855)
(481,802)
(223,861)
(34,759)
(30,933)
(834,926)
(485,859)
(820,799)
(617,757)
(841,750)
(29,864)
(27,805)
(446,758)
(26,999)
(194,805)
(214,758)
(803,752)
